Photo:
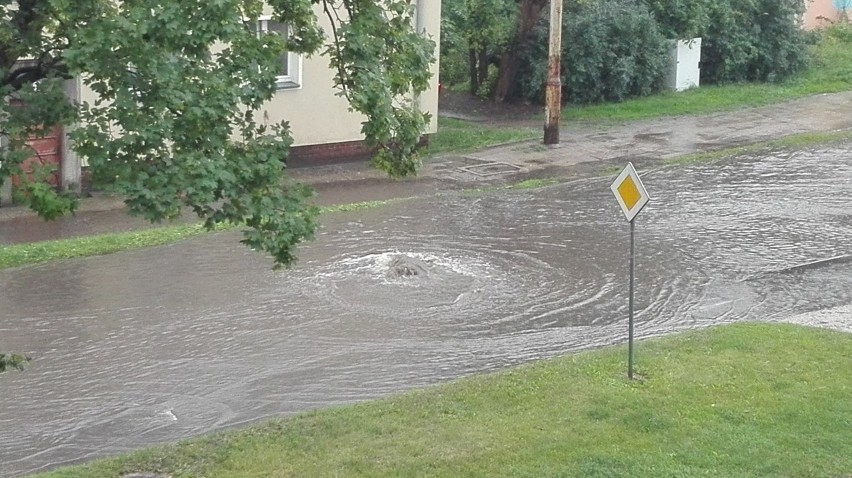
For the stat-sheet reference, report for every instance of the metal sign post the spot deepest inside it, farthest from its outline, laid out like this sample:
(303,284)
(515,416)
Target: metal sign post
(632,197)
(630,307)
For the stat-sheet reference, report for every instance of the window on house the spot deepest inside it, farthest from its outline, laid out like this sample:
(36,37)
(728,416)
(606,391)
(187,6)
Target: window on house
(289,64)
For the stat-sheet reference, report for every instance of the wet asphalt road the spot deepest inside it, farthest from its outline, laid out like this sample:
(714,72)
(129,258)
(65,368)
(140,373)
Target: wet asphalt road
(165,343)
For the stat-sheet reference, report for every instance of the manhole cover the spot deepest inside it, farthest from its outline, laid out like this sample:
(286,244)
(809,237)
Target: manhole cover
(490,169)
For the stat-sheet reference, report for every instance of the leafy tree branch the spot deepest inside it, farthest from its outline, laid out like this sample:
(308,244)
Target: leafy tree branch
(177,82)
(178,123)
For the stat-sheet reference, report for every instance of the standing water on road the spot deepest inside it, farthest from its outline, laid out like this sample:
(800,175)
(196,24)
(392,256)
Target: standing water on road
(155,345)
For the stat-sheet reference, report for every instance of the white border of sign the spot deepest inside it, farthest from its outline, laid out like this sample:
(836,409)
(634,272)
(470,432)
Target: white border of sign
(629,170)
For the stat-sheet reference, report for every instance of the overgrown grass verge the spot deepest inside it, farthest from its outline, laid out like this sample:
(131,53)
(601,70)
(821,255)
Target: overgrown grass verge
(533,183)
(44,251)
(830,71)
(796,141)
(747,400)
(526,184)
(361,206)
(458,136)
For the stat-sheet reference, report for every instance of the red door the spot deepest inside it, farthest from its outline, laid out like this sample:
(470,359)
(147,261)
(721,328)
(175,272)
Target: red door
(45,151)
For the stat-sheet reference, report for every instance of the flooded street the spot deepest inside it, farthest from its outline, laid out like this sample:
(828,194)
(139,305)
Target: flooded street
(165,343)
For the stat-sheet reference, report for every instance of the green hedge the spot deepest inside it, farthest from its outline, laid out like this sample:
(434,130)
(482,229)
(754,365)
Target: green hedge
(743,40)
(617,49)
(611,50)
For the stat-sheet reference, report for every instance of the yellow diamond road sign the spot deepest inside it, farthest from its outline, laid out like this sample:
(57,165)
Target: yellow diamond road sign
(630,192)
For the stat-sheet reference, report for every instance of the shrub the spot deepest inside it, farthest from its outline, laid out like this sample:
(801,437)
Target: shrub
(611,50)
(840,31)
(743,40)
(681,19)
(453,65)
(484,27)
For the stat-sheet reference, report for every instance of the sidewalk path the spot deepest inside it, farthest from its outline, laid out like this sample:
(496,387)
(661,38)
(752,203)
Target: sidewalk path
(676,136)
(582,145)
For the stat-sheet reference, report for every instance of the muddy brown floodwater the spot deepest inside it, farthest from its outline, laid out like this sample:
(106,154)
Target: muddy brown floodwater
(165,343)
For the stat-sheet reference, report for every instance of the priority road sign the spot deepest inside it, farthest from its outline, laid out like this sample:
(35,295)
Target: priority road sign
(630,192)
(632,197)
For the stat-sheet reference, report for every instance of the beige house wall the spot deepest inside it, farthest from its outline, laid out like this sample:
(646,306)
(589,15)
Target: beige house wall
(316,114)
(821,13)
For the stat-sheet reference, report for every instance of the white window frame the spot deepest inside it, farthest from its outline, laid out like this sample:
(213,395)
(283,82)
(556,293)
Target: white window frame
(293,79)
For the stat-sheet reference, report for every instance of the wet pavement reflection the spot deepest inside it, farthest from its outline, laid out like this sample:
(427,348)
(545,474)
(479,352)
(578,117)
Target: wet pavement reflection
(165,343)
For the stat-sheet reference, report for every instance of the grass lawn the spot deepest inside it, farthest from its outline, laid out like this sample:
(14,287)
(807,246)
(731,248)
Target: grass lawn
(455,136)
(746,400)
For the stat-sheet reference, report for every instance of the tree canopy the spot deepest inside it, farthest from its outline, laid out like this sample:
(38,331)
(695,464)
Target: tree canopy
(178,121)
(612,49)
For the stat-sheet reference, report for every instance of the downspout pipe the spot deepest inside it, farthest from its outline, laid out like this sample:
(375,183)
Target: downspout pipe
(420,28)
(419,19)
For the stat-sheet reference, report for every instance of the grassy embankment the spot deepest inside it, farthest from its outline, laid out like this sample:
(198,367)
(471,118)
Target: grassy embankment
(746,400)
(830,71)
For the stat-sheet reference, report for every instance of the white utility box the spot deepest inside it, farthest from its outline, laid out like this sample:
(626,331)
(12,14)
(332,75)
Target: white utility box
(685,60)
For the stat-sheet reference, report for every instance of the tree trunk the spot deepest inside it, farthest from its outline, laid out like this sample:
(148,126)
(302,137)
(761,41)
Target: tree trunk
(483,67)
(510,62)
(474,78)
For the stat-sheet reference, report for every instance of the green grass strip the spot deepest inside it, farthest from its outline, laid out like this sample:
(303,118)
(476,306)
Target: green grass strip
(795,141)
(44,251)
(526,184)
(747,400)
(362,206)
(533,183)
(458,136)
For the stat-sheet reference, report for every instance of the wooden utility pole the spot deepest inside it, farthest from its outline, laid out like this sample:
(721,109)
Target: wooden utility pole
(553,92)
